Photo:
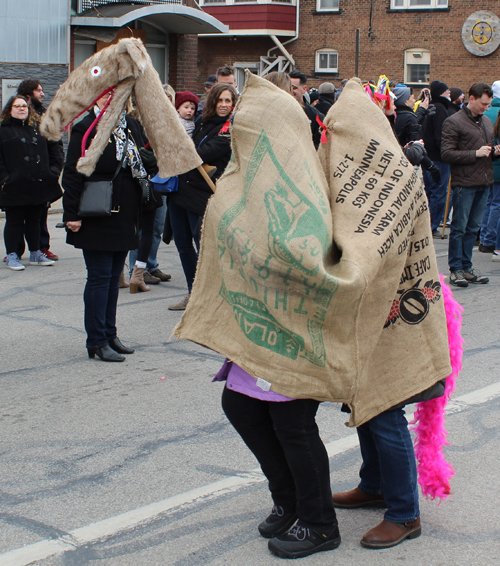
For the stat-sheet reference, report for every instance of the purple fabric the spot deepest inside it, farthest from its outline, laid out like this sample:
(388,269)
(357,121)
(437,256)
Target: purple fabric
(239,380)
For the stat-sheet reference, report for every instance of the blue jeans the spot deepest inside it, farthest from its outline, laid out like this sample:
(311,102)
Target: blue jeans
(184,225)
(468,208)
(389,465)
(101,295)
(491,217)
(436,193)
(284,438)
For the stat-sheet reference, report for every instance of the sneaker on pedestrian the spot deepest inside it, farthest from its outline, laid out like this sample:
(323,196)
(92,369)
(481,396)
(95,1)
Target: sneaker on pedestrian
(39,258)
(437,234)
(475,276)
(13,262)
(50,255)
(495,256)
(302,541)
(457,278)
(150,279)
(486,249)
(278,522)
(160,275)
(180,306)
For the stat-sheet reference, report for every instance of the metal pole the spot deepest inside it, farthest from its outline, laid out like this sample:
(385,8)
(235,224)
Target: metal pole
(356,71)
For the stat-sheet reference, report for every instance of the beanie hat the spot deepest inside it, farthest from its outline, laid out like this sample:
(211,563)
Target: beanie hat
(186,96)
(326,88)
(495,87)
(402,94)
(313,95)
(455,92)
(437,89)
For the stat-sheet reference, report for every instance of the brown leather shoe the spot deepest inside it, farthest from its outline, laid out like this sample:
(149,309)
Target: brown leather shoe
(389,534)
(356,498)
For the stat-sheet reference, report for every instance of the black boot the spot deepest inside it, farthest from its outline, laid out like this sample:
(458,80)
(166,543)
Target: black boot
(106,354)
(278,522)
(119,347)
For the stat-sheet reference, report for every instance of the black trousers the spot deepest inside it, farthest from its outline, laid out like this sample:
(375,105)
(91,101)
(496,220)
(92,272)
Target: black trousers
(284,438)
(20,222)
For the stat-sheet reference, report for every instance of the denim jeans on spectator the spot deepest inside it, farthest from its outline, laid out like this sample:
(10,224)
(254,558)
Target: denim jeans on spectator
(468,209)
(389,465)
(491,217)
(436,193)
(184,225)
(284,438)
(101,295)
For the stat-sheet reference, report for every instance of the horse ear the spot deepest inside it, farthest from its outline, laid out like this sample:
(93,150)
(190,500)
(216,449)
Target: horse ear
(137,52)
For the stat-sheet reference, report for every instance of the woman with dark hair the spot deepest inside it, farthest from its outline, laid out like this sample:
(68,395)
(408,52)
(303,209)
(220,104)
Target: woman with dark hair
(186,207)
(29,172)
(105,240)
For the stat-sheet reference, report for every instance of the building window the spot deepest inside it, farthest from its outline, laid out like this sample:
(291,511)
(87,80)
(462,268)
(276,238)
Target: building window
(417,66)
(406,4)
(327,5)
(327,61)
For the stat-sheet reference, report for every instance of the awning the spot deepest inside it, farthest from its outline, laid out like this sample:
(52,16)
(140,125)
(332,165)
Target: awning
(170,18)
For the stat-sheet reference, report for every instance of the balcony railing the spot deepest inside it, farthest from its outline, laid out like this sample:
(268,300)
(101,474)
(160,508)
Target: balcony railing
(84,5)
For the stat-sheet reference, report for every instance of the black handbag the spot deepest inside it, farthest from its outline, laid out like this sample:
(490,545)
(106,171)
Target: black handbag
(148,201)
(97,196)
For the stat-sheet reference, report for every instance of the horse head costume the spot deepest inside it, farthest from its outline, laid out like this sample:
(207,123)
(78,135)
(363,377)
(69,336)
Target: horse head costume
(123,69)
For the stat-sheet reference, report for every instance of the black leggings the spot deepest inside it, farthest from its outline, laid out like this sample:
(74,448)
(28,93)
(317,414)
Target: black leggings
(21,220)
(147,233)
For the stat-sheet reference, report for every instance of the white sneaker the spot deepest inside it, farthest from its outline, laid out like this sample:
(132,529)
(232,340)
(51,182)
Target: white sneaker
(12,262)
(39,258)
(495,256)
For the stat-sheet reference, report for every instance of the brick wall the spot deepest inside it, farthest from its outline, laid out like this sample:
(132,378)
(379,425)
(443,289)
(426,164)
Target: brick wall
(394,31)
(50,76)
(183,62)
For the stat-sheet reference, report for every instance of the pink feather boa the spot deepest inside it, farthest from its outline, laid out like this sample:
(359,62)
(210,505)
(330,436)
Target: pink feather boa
(434,472)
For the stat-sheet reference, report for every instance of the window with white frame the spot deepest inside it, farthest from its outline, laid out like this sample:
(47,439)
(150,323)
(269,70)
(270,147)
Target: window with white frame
(327,5)
(417,66)
(405,4)
(327,61)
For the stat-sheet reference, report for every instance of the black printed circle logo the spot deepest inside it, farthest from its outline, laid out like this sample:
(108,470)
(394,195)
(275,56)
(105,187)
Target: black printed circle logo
(413,307)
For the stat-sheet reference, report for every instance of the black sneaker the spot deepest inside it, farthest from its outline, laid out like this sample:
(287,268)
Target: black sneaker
(439,235)
(486,249)
(278,522)
(457,278)
(475,276)
(302,541)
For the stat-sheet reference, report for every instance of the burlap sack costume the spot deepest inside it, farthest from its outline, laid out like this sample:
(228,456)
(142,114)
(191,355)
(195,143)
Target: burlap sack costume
(325,288)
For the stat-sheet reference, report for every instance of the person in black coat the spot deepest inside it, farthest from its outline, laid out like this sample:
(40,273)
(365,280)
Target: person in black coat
(105,240)
(29,172)
(186,207)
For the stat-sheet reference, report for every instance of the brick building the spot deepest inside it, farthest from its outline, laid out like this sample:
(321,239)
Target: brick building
(415,41)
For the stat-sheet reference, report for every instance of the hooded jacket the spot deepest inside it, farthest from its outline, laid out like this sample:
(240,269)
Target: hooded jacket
(433,126)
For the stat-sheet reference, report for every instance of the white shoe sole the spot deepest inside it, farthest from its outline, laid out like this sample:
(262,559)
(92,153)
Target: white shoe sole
(21,268)
(43,264)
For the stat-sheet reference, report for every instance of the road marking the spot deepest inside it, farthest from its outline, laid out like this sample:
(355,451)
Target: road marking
(126,521)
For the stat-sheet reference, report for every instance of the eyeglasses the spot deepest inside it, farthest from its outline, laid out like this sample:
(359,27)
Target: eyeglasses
(19,106)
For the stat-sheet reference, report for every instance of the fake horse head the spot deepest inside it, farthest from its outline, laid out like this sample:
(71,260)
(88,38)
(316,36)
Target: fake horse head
(122,69)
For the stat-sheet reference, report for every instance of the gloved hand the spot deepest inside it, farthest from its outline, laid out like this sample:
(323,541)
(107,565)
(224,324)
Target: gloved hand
(148,158)
(435,173)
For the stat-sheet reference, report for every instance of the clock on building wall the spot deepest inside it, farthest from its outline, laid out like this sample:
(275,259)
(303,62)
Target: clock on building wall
(481,33)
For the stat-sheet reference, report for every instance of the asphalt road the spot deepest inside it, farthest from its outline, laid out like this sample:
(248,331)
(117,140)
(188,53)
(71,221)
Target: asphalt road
(111,465)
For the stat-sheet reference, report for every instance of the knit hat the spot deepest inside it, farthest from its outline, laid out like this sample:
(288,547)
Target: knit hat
(313,95)
(495,87)
(326,88)
(402,94)
(186,96)
(455,92)
(437,89)
(212,79)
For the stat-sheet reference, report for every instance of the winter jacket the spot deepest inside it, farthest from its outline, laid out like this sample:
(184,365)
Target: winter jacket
(119,231)
(214,147)
(29,165)
(462,136)
(433,126)
(324,104)
(406,126)
(453,109)
(312,114)
(492,114)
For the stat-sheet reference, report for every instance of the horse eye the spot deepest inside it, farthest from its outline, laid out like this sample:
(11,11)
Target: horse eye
(96,71)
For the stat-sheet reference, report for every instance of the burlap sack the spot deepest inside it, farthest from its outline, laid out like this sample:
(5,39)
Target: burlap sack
(336,322)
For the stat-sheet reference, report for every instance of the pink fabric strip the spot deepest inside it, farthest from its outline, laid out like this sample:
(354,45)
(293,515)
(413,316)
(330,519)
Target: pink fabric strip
(90,105)
(434,472)
(87,133)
